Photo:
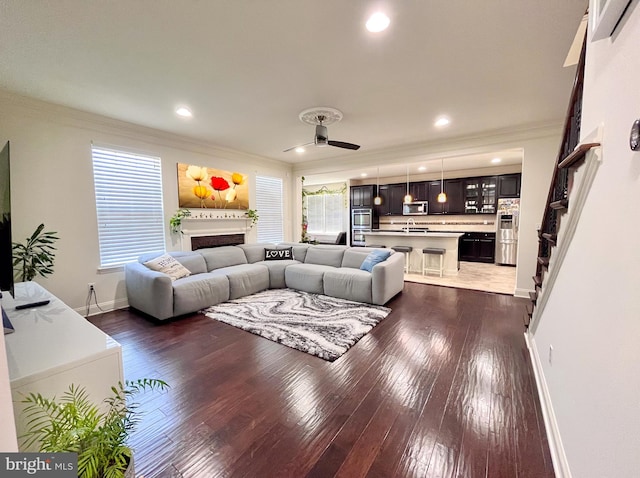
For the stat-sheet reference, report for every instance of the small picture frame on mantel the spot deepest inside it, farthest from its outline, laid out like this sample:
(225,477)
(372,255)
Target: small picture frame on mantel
(604,16)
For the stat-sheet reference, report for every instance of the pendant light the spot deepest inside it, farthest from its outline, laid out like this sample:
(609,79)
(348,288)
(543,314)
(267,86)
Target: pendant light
(442,197)
(377,200)
(408,198)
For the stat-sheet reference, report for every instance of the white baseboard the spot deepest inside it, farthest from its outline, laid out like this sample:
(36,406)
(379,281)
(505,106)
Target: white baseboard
(524,293)
(107,306)
(558,456)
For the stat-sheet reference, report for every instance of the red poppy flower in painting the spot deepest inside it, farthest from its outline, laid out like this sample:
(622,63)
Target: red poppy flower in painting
(219,184)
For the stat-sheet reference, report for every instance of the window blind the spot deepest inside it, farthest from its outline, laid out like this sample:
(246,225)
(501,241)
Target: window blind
(269,207)
(128,189)
(325,213)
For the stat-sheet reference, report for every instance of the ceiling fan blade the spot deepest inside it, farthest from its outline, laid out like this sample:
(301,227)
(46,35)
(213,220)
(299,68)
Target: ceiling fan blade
(298,146)
(342,144)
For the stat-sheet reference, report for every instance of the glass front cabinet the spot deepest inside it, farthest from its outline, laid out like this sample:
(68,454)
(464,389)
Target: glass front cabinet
(480,195)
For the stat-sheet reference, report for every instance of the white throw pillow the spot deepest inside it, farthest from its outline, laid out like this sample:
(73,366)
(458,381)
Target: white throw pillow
(168,265)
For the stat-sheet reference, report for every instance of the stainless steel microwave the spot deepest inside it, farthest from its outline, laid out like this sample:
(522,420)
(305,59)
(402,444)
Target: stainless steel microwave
(416,208)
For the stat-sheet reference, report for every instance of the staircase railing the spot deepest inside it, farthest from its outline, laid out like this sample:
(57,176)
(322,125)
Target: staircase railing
(569,157)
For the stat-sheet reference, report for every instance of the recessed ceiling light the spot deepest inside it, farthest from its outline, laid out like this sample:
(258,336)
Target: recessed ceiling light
(422,168)
(442,121)
(377,22)
(496,160)
(184,112)
(363,175)
(299,149)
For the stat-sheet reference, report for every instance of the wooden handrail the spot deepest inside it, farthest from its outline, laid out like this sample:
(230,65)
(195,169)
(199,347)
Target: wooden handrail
(577,155)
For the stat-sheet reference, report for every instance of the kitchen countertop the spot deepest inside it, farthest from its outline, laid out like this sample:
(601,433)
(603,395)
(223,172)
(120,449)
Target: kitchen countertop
(415,234)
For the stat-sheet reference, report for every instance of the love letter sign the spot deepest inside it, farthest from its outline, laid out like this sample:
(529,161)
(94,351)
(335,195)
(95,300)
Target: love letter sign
(278,254)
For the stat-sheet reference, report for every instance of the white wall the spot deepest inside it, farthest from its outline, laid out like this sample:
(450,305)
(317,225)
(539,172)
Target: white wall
(537,168)
(592,318)
(52,182)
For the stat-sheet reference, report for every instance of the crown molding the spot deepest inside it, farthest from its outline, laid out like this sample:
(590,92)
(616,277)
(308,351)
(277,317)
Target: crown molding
(484,142)
(66,115)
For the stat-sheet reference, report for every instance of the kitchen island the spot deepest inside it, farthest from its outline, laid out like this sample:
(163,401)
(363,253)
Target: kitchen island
(419,240)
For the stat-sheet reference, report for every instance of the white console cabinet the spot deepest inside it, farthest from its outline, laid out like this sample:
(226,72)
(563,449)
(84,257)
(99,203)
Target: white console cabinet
(53,347)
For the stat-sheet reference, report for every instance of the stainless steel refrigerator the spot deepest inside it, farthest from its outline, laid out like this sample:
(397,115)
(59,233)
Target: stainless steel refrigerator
(507,231)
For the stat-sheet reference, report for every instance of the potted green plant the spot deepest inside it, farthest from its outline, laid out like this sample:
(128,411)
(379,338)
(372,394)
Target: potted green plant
(98,434)
(176,220)
(36,255)
(253,215)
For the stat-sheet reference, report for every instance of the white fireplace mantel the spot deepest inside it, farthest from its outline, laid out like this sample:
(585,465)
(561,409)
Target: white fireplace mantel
(211,226)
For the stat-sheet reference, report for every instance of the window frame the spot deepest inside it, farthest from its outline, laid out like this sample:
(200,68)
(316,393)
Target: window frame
(128,193)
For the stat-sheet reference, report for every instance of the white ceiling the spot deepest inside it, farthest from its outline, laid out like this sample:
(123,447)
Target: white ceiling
(247,68)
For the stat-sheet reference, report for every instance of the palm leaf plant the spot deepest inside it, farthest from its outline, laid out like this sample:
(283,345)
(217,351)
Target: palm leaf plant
(97,433)
(36,255)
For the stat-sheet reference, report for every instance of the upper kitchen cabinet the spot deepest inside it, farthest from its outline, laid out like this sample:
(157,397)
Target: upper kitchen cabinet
(396,198)
(362,196)
(454,188)
(480,195)
(383,208)
(455,197)
(509,186)
(392,196)
(434,206)
(419,190)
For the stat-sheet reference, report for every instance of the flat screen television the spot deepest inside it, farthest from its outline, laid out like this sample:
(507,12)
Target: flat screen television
(6,250)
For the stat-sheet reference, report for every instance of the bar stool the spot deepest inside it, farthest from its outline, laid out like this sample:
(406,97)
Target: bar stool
(436,251)
(407,252)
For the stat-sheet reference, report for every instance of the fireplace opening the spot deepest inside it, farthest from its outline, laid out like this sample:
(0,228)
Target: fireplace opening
(200,242)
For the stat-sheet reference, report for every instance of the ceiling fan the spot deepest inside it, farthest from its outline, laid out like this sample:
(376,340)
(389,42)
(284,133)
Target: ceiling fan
(321,117)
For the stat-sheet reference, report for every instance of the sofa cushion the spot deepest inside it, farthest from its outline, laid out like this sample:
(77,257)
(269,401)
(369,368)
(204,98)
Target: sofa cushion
(325,255)
(276,272)
(198,292)
(225,256)
(278,254)
(191,260)
(299,249)
(374,257)
(355,256)
(255,252)
(348,283)
(306,277)
(245,279)
(168,265)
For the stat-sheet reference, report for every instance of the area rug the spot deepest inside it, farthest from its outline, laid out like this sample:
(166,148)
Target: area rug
(316,324)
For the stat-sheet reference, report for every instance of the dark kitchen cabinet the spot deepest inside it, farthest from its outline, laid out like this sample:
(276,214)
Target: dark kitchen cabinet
(392,196)
(397,193)
(434,206)
(477,195)
(480,195)
(455,197)
(362,196)
(509,186)
(383,208)
(419,191)
(477,247)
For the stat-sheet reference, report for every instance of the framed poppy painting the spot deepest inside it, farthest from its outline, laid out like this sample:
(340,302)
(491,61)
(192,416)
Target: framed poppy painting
(202,187)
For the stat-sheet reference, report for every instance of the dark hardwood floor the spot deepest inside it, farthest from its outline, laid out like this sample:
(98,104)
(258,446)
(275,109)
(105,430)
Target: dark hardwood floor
(442,387)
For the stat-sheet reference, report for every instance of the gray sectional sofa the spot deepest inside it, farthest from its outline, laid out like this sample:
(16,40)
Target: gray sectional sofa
(229,272)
